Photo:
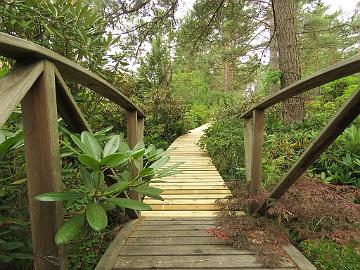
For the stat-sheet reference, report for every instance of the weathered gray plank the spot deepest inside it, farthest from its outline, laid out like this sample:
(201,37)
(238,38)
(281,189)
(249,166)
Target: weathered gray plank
(155,250)
(108,259)
(171,240)
(177,222)
(331,73)
(298,258)
(14,86)
(23,50)
(173,227)
(198,261)
(171,233)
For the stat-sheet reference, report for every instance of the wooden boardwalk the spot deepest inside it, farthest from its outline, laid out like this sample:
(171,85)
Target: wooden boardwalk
(175,234)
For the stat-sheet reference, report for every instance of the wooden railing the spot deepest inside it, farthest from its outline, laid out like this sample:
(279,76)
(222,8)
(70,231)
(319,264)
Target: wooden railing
(36,82)
(254,128)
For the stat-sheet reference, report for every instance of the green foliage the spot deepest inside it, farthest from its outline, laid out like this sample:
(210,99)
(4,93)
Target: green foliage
(284,144)
(94,196)
(327,255)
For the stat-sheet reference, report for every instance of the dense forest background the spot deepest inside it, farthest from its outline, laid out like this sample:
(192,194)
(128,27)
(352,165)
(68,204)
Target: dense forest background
(210,65)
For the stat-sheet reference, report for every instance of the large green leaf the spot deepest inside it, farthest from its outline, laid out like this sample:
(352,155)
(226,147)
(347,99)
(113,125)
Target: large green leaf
(69,230)
(128,203)
(146,172)
(138,146)
(96,216)
(112,145)
(123,147)
(82,146)
(90,141)
(11,142)
(58,196)
(150,192)
(159,163)
(117,187)
(21,256)
(86,178)
(99,178)
(137,153)
(89,162)
(114,160)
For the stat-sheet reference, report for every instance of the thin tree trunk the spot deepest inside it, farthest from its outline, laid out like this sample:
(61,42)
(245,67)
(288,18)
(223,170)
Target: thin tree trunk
(289,61)
(273,62)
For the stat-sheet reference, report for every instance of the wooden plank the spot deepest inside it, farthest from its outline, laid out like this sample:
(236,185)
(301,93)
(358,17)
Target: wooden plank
(323,76)
(257,148)
(14,86)
(197,187)
(146,222)
(174,227)
(189,184)
(43,169)
(180,201)
(196,191)
(184,207)
(68,108)
(108,259)
(171,233)
(298,258)
(248,131)
(170,240)
(188,218)
(342,119)
(192,196)
(180,213)
(189,261)
(23,50)
(176,250)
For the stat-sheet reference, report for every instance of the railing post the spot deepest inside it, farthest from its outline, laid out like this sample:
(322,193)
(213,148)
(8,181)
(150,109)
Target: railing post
(257,147)
(134,129)
(43,169)
(248,131)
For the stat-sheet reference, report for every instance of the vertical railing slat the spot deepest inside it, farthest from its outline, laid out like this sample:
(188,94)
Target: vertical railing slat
(43,169)
(248,131)
(257,150)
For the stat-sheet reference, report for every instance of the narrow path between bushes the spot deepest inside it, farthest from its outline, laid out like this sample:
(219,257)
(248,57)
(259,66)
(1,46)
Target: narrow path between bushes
(178,232)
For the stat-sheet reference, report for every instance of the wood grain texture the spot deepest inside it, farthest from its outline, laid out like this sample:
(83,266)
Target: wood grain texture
(107,260)
(67,107)
(248,131)
(323,76)
(25,51)
(14,86)
(43,168)
(257,150)
(298,258)
(132,139)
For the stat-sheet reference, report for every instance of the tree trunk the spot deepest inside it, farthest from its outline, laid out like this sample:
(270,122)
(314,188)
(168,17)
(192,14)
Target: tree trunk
(273,62)
(289,61)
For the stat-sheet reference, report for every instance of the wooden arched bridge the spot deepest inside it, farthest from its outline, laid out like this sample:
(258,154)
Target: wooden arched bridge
(174,235)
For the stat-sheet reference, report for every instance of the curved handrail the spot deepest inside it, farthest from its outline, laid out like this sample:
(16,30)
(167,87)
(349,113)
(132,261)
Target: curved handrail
(323,76)
(22,51)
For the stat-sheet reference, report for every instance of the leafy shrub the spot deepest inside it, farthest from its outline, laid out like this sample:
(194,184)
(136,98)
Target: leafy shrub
(327,255)
(95,197)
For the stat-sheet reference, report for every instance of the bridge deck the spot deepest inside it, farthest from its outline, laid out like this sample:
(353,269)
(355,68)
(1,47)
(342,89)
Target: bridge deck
(175,235)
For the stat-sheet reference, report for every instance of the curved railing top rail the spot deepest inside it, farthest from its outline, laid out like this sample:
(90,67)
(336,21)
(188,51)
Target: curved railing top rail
(323,76)
(22,50)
